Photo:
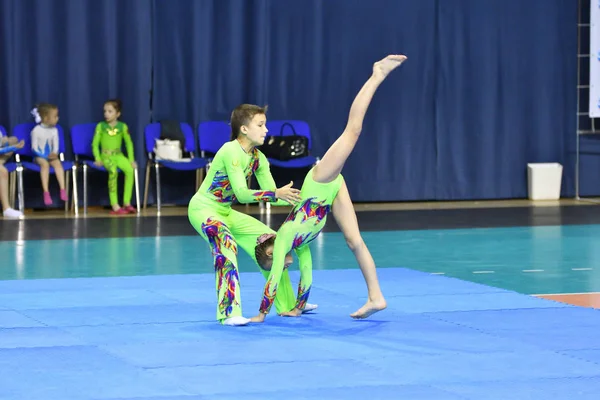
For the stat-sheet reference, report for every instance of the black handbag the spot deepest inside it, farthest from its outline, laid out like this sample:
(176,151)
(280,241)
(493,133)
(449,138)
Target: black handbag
(284,148)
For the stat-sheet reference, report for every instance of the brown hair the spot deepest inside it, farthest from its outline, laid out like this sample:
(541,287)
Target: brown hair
(260,251)
(242,115)
(116,103)
(44,109)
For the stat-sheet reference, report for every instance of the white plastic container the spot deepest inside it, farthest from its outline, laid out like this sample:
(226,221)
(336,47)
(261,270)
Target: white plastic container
(544,181)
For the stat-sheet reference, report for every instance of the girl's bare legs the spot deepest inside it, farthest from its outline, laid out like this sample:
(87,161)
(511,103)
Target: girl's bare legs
(4,188)
(334,159)
(345,216)
(59,172)
(44,172)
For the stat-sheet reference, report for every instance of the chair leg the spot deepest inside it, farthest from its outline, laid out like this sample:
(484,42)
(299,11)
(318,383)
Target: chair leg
(20,190)
(85,189)
(137,190)
(12,184)
(67,187)
(158,199)
(75,201)
(148,167)
(199,178)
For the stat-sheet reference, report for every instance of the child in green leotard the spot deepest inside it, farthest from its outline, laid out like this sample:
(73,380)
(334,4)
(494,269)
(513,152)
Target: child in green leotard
(107,143)
(211,214)
(325,191)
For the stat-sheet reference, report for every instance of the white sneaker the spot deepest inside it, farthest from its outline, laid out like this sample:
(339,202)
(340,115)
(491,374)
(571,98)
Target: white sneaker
(309,308)
(11,213)
(236,321)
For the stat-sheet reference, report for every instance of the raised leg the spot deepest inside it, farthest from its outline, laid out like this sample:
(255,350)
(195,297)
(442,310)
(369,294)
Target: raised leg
(334,159)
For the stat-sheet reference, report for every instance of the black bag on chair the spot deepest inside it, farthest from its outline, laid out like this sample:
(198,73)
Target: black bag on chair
(171,130)
(284,148)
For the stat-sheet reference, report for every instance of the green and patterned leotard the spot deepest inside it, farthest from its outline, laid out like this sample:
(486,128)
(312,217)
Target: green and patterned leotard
(225,229)
(301,227)
(106,147)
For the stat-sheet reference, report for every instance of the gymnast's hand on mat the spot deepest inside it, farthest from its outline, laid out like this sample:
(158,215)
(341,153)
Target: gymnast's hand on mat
(98,163)
(288,193)
(259,318)
(296,312)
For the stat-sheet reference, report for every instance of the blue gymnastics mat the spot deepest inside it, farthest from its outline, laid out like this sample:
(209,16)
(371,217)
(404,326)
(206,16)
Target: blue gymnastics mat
(155,337)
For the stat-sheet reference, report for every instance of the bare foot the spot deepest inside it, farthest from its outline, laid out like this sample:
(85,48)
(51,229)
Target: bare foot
(260,318)
(294,313)
(370,308)
(381,69)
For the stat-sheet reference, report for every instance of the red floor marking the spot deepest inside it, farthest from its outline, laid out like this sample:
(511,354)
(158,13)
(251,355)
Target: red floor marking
(591,300)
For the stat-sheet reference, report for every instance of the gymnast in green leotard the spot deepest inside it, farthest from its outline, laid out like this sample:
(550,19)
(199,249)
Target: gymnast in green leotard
(324,191)
(224,228)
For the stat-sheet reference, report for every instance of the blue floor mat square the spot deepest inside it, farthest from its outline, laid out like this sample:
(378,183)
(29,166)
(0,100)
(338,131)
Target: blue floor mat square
(81,316)
(37,337)
(85,384)
(14,319)
(286,349)
(562,388)
(592,355)
(468,302)
(516,320)
(484,367)
(142,333)
(58,358)
(357,392)
(83,298)
(323,376)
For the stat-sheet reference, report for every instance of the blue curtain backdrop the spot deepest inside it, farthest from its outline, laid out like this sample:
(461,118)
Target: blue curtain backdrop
(506,94)
(75,54)
(489,85)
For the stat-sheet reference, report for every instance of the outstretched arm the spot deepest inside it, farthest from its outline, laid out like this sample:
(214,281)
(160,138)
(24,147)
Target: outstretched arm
(265,179)
(239,185)
(280,249)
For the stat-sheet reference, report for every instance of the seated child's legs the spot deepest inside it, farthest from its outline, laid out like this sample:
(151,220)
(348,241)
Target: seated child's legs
(60,177)
(45,177)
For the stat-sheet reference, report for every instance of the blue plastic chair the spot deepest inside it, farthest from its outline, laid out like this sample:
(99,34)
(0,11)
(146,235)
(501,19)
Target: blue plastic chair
(151,134)
(302,129)
(11,167)
(212,135)
(82,136)
(23,132)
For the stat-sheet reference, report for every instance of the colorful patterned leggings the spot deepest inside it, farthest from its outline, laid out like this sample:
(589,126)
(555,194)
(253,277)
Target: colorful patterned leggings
(224,233)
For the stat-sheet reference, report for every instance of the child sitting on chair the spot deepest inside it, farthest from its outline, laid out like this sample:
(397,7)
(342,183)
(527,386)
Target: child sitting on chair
(106,146)
(7,146)
(45,146)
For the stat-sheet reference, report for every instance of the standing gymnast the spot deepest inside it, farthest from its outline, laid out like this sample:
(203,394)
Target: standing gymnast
(210,211)
(324,191)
